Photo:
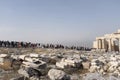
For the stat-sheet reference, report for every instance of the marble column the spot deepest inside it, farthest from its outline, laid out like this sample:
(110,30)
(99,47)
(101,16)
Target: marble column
(113,45)
(100,44)
(103,43)
(119,44)
(110,47)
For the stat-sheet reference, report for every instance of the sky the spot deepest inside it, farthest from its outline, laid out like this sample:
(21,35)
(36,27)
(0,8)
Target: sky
(68,22)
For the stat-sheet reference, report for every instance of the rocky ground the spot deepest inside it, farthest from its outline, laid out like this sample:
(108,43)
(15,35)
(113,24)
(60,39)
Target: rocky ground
(58,64)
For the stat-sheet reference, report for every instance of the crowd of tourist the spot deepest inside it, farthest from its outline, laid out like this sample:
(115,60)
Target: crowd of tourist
(15,44)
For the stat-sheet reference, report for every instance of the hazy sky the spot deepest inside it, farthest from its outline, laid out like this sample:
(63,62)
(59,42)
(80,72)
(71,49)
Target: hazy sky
(75,22)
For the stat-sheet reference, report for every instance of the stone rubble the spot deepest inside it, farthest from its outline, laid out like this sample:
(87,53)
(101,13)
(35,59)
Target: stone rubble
(65,65)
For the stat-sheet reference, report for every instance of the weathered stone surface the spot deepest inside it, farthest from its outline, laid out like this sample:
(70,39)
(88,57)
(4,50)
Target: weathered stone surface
(93,69)
(93,76)
(22,57)
(74,77)
(34,55)
(60,65)
(37,64)
(86,65)
(3,55)
(23,72)
(13,56)
(15,64)
(73,62)
(55,74)
(34,78)
(105,68)
(111,69)
(30,72)
(1,61)
(18,78)
(113,78)
(33,72)
(37,67)
(29,59)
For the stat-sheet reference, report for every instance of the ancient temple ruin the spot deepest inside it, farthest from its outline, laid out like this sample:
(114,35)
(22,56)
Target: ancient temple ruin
(108,42)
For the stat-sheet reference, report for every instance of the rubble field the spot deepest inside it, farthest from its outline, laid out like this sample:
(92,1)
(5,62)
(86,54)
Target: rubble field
(58,64)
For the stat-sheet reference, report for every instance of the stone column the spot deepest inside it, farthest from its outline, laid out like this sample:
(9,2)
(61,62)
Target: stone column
(119,44)
(109,43)
(97,43)
(113,45)
(103,43)
(106,45)
(100,44)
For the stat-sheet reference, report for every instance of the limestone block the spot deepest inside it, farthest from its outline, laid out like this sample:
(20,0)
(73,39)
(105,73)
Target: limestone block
(34,73)
(23,72)
(93,76)
(113,58)
(18,78)
(105,68)
(101,71)
(114,63)
(111,69)
(55,74)
(93,64)
(1,61)
(94,60)
(30,72)
(37,64)
(116,72)
(15,56)
(29,59)
(69,61)
(34,55)
(34,78)
(93,69)
(22,57)
(86,65)
(113,78)
(76,56)
(75,77)
(58,64)
(118,68)
(3,55)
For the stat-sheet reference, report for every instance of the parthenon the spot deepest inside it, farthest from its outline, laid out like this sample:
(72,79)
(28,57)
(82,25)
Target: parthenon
(108,42)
